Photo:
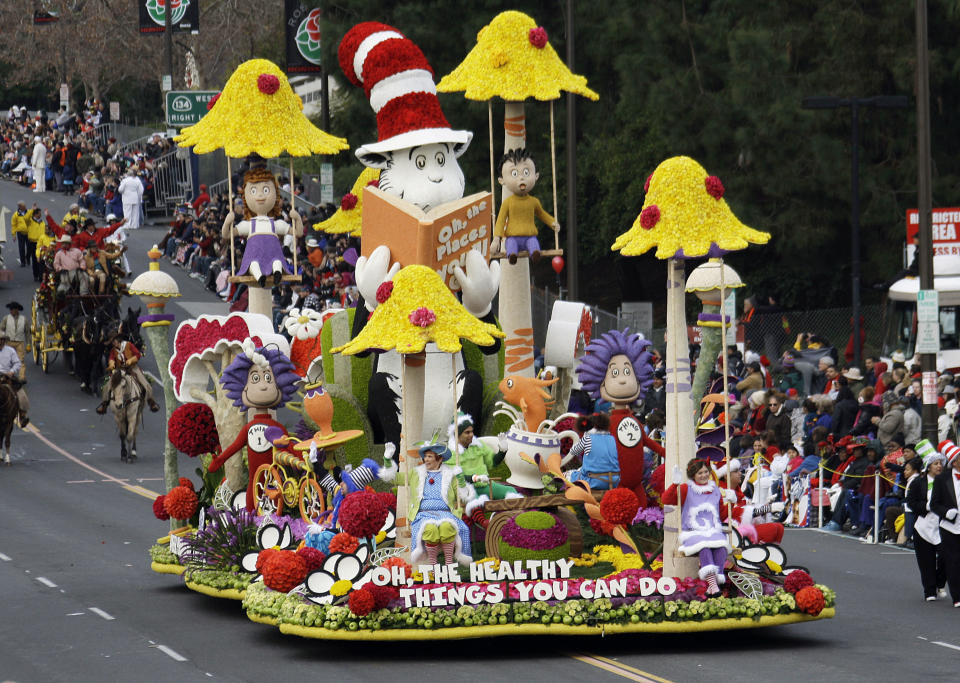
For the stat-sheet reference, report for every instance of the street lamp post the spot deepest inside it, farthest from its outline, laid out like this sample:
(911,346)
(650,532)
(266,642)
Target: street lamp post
(855,104)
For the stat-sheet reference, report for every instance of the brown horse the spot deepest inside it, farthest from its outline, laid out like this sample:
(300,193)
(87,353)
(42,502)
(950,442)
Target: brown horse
(126,402)
(9,409)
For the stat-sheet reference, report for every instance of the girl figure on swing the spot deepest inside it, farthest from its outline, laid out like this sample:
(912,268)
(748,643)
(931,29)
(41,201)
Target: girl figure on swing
(263,227)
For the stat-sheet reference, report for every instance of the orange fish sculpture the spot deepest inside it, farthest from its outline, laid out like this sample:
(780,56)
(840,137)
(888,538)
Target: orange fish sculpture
(528,394)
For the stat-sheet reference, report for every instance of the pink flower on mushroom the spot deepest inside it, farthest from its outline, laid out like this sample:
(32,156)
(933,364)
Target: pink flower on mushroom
(714,186)
(348,202)
(268,83)
(538,37)
(423,317)
(649,216)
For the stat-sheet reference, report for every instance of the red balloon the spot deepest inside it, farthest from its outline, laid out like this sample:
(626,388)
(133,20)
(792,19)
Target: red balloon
(557,264)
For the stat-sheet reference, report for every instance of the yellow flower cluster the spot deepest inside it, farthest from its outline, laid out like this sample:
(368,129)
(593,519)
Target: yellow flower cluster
(246,121)
(504,63)
(690,219)
(390,328)
(492,560)
(350,220)
(585,560)
(340,588)
(616,557)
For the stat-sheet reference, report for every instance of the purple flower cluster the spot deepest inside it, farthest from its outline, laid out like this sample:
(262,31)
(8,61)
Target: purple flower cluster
(226,538)
(651,516)
(298,528)
(534,539)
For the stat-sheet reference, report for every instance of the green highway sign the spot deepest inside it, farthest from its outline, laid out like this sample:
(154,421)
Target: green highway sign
(187,107)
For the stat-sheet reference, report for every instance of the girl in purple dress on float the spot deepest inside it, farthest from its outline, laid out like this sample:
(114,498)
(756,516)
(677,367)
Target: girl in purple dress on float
(263,227)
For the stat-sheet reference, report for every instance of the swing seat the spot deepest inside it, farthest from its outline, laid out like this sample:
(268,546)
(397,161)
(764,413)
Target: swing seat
(544,253)
(251,280)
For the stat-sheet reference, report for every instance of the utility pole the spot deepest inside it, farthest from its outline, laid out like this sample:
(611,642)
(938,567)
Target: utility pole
(168,40)
(928,361)
(573,255)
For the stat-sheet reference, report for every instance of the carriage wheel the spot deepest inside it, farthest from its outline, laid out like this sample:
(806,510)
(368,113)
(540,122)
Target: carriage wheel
(290,492)
(34,333)
(313,501)
(267,491)
(44,361)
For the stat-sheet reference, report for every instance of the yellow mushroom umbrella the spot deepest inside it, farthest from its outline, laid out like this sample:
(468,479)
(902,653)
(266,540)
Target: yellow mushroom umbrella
(419,309)
(685,216)
(513,60)
(348,218)
(258,113)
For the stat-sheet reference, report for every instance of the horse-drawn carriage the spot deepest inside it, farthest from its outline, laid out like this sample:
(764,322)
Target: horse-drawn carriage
(58,322)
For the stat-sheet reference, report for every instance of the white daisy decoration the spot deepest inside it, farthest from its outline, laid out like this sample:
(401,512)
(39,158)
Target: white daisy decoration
(340,574)
(303,323)
(268,536)
(389,529)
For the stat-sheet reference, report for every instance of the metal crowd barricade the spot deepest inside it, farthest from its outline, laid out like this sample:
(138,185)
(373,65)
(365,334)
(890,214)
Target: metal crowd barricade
(172,180)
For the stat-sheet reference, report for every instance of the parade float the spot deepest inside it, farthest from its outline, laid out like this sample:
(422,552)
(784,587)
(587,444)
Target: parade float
(454,531)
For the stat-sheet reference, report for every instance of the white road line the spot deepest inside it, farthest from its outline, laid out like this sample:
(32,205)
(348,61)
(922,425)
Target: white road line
(46,582)
(172,654)
(81,481)
(5,558)
(952,647)
(77,614)
(100,613)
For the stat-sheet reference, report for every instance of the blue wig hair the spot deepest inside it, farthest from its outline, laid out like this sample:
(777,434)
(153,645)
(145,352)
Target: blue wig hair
(593,366)
(234,378)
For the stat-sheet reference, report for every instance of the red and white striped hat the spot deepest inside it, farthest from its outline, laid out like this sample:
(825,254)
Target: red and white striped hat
(398,81)
(949,450)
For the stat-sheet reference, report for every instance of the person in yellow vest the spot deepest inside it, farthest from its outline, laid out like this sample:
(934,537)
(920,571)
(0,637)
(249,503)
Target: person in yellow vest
(19,228)
(35,231)
(14,325)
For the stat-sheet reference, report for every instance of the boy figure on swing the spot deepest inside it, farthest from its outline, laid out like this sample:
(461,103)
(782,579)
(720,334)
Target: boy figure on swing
(518,174)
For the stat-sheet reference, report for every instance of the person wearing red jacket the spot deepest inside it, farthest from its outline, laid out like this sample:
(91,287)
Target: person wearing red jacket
(90,232)
(746,515)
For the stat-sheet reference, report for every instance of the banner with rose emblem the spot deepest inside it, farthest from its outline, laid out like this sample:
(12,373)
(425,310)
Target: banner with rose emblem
(302,28)
(184,17)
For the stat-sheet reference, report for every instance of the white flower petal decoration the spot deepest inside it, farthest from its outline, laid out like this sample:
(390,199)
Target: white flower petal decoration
(348,567)
(303,323)
(249,562)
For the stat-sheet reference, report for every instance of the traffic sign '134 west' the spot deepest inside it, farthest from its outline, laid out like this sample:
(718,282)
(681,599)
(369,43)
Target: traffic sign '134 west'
(187,107)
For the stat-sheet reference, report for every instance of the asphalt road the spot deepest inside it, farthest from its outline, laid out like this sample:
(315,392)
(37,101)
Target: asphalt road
(79,603)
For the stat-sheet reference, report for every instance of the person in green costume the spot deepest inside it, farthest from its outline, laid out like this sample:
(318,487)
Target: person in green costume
(477,459)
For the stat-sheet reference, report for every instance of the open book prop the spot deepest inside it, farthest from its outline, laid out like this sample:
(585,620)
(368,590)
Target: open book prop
(439,238)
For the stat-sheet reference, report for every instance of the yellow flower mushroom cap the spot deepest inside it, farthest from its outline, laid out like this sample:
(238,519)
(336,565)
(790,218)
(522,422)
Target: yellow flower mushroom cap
(349,219)
(420,309)
(513,60)
(685,216)
(258,113)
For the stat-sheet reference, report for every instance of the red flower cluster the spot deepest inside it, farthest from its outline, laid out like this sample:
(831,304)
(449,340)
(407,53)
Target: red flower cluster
(263,557)
(796,581)
(384,291)
(619,506)
(374,183)
(313,557)
(159,510)
(646,185)
(601,527)
(714,186)
(348,201)
(538,37)
(361,602)
(192,429)
(181,502)
(186,482)
(268,83)
(382,595)
(213,101)
(423,317)
(649,217)
(810,600)
(399,562)
(284,571)
(362,514)
(344,543)
(388,499)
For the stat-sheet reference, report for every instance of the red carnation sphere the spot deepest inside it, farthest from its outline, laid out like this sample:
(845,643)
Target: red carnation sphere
(344,543)
(810,600)
(399,562)
(181,502)
(193,430)
(384,291)
(362,514)
(601,527)
(714,186)
(284,571)
(268,83)
(388,499)
(186,482)
(538,37)
(361,602)
(619,506)
(313,557)
(263,557)
(796,581)
(646,185)
(348,201)
(159,510)
(649,216)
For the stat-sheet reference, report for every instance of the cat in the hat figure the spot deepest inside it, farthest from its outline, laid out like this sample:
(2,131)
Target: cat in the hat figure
(417,152)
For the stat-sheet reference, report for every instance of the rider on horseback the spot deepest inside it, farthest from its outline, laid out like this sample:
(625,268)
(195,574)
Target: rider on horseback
(9,367)
(126,356)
